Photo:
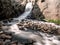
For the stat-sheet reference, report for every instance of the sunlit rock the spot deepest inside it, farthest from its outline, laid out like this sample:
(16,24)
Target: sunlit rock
(50,8)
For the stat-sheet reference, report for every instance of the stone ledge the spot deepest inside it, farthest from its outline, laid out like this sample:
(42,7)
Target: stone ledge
(40,25)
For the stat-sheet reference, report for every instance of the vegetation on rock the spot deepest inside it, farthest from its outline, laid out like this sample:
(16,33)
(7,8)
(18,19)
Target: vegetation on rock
(55,21)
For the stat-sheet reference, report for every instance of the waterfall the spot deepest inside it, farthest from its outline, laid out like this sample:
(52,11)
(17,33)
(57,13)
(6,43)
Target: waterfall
(27,12)
(14,28)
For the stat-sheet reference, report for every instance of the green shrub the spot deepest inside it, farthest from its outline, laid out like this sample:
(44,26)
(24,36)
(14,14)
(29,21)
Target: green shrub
(55,21)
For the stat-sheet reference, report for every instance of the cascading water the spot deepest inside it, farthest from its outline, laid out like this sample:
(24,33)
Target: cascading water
(28,9)
(40,38)
(27,12)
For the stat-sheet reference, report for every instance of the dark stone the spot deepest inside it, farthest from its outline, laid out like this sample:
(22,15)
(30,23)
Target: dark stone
(10,9)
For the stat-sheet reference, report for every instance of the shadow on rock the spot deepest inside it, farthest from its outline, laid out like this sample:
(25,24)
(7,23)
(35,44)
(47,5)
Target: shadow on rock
(36,13)
(10,9)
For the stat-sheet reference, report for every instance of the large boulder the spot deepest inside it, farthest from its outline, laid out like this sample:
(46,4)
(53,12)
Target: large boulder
(50,8)
(36,12)
(10,8)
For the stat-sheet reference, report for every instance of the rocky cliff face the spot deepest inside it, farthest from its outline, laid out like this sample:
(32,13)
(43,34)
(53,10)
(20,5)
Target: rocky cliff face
(10,8)
(50,8)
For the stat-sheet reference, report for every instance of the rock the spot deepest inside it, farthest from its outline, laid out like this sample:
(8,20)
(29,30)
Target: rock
(50,8)
(1,42)
(36,13)
(10,9)
(6,39)
(58,30)
(46,27)
(14,43)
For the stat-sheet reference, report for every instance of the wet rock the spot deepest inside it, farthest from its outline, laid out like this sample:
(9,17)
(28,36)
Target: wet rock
(58,30)
(41,26)
(14,43)
(36,13)
(1,42)
(6,39)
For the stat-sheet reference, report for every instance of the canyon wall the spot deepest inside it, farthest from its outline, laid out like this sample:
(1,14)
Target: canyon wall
(50,8)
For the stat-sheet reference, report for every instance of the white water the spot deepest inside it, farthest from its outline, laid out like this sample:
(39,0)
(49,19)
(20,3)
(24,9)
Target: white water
(27,12)
(46,39)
